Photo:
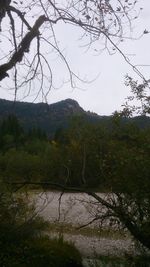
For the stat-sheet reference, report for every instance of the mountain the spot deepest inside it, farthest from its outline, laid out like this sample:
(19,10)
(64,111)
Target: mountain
(41,115)
(54,116)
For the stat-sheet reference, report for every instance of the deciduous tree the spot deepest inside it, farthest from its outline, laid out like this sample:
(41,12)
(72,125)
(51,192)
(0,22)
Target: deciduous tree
(29,35)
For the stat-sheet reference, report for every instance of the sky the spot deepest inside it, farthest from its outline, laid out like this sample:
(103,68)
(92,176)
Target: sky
(103,90)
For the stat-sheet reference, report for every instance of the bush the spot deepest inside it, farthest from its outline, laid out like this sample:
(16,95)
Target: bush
(44,252)
(22,242)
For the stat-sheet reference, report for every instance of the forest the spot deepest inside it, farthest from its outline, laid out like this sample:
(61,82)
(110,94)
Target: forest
(83,155)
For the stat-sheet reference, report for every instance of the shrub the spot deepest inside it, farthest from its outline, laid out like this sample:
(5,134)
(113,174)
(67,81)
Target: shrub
(44,252)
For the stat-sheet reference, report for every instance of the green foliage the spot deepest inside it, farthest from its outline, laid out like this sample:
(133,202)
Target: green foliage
(53,253)
(18,165)
(39,252)
(22,239)
(83,155)
(11,133)
(18,222)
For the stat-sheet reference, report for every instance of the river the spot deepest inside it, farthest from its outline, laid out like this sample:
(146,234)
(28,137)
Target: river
(72,210)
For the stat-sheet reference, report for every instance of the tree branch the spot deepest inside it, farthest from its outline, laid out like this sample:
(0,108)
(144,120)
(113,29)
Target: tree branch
(22,48)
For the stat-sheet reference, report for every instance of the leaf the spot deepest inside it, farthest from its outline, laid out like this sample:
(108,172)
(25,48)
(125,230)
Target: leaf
(145,31)
(87,17)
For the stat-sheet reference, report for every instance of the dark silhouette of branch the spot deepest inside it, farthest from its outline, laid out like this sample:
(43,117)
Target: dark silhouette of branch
(22,48)
(98,20)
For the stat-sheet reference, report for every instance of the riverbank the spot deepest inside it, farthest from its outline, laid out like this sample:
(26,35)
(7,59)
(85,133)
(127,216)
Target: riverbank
(91,247)
(94,242)
(67,213)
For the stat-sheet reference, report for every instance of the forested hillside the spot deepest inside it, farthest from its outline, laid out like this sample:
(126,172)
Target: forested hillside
(43,116)
(51,118)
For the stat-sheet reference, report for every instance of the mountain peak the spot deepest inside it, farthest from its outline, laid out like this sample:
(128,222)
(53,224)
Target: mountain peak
(47,117)
(68,105)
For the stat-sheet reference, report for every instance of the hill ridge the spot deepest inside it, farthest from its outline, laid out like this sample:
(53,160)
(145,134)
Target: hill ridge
(50,117)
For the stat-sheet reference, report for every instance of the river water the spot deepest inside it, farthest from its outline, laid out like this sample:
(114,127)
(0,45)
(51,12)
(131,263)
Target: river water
(77,209)
(74,208)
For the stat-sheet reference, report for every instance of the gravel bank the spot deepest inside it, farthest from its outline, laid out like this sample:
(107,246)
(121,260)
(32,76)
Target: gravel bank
(94,246)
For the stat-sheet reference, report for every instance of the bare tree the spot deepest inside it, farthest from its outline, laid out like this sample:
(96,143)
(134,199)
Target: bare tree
(28,35)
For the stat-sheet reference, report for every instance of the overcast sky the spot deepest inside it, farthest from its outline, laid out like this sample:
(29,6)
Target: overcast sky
(105,90)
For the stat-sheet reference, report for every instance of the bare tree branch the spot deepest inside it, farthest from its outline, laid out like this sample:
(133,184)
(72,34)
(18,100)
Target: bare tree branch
(22,48)
(102,21)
